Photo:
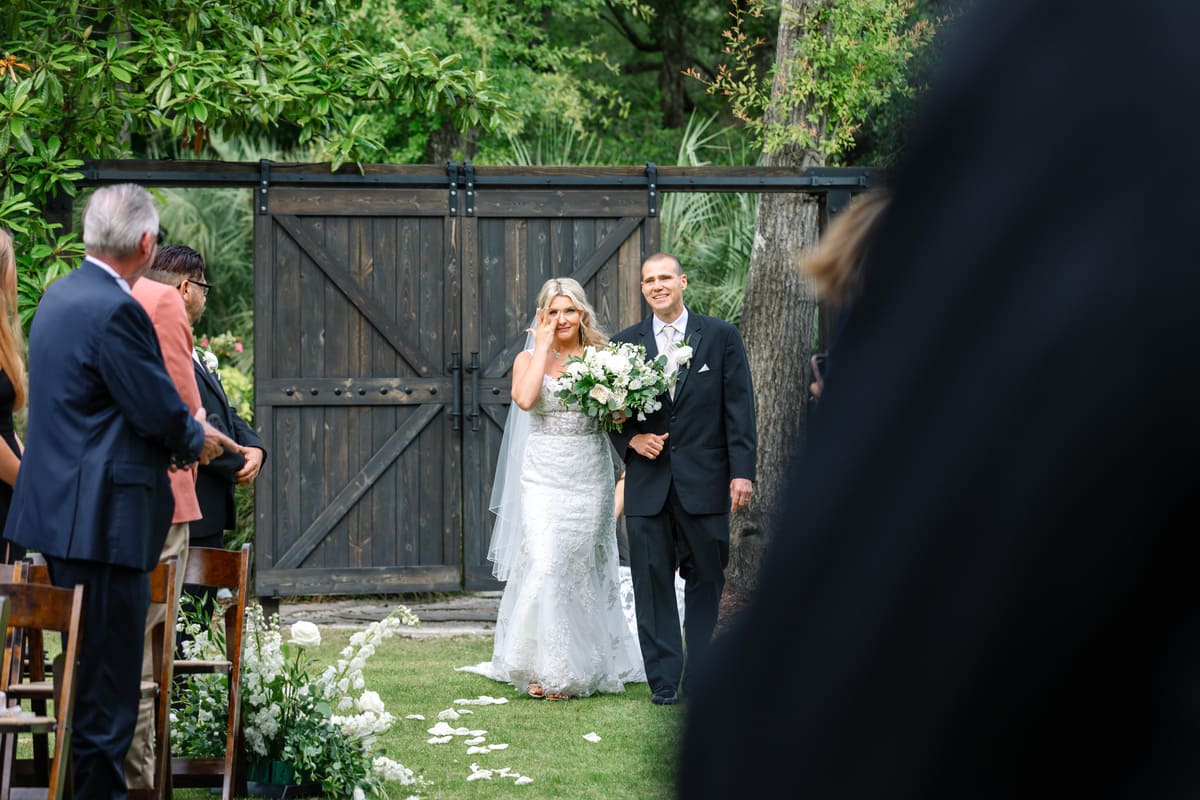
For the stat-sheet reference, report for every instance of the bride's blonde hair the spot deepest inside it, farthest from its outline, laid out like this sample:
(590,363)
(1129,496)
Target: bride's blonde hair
(590,334)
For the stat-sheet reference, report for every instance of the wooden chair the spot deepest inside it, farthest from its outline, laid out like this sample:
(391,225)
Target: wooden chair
(40,607)
(38,690)
(220,569)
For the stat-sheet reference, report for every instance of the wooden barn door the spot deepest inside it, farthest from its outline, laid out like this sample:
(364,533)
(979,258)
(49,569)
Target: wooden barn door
(514,242)
(386,324)
(356,325)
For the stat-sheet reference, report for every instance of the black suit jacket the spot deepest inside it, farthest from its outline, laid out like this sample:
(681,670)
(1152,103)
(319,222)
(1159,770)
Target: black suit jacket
(215,480)
(710,422)
(104,421)
(984,580)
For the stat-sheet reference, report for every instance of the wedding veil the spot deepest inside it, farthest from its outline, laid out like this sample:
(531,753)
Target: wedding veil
(505,503)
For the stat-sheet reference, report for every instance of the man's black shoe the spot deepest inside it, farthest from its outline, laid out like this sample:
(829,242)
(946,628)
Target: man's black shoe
(664,697)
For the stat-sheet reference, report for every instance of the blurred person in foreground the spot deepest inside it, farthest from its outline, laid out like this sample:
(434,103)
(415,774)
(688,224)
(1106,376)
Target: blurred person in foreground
(12,386)
(985,585)
(92,495)
(835,267)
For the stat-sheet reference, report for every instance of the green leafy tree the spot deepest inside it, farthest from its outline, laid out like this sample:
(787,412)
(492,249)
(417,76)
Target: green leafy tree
(836,62)
(549,55)
(108,79)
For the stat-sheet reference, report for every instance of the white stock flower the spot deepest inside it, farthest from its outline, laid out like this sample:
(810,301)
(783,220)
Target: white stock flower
(370,701)
(358,794)
(305,634)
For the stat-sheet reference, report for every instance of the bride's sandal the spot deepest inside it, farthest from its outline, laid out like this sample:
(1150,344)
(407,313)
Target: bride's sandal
(536,690)
(557,696)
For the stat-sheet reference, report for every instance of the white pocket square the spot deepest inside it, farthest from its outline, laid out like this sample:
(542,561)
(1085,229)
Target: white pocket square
(703,369)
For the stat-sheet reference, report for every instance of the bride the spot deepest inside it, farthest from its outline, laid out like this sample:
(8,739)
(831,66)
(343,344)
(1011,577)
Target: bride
(561,631)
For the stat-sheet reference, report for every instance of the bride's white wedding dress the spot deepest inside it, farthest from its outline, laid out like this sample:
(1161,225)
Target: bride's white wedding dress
(561,621)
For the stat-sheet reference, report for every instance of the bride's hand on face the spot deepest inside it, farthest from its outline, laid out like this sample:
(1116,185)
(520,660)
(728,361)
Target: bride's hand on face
(543,330)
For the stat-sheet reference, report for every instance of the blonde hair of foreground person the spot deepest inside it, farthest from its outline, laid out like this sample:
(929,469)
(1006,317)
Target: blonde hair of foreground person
(12,341)
(835,264)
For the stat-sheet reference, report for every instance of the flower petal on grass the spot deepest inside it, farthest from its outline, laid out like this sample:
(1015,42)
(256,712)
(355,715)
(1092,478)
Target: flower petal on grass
(415,716)
(473,733)
(476,740)
(592,737)
(476,750)
(462,711)
(483,700)
(449,713)
(497,747)
(482,775)
(523,780)
(438,739)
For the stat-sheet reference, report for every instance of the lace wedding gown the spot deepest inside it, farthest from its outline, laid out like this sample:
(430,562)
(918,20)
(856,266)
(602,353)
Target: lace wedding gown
(561,621)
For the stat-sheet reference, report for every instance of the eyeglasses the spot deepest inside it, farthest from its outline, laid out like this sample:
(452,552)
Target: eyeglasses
(204,287)
(159,239)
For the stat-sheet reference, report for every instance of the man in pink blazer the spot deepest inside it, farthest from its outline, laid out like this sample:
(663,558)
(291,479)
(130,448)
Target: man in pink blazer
(174,333)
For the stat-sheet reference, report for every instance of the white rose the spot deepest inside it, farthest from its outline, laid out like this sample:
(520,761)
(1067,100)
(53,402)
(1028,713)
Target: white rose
(305,634)
(210,360)
(370,701)
(600,393)
(682,355)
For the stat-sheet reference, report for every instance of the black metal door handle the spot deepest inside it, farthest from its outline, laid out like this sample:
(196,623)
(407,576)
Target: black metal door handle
(473,368)
(456,409)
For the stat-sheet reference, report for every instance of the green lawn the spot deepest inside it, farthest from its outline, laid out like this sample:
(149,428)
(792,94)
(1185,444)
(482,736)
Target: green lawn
(634,759)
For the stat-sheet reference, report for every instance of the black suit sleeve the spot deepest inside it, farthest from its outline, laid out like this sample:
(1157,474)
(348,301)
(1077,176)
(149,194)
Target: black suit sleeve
(132,367)
(741,432)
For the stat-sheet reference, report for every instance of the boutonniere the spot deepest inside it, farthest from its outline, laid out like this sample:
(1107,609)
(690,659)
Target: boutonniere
(683,354)
(210,360)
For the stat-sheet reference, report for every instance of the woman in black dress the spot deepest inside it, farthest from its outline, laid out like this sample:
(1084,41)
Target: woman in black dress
(12,385)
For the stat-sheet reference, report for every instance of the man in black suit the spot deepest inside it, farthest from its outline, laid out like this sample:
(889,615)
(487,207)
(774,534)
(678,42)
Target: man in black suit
(688,466)
(105,421)
(985,581)
(184,268)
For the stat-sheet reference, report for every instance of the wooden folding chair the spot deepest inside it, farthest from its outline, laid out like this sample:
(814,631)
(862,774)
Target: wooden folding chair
(162,590)
(220,569)
(40,607)
(38,690)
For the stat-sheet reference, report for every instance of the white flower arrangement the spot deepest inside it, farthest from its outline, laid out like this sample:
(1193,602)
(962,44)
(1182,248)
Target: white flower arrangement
(324,727)
(613,383)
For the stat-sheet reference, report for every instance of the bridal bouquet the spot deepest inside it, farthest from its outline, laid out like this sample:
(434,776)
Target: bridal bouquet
(613,383)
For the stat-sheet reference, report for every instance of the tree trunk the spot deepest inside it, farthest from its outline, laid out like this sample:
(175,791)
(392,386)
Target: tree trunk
(779,325)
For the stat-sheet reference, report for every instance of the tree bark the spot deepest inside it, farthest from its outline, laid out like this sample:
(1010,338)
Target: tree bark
(779,326)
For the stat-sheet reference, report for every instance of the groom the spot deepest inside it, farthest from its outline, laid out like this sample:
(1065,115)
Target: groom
(687,466)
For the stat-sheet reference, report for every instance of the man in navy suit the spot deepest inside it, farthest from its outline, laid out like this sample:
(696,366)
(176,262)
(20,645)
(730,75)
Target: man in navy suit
(105,423)
(182,267)
(688,466)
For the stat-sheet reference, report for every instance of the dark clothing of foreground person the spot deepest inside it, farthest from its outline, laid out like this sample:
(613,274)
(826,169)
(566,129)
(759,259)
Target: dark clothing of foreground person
(984,585)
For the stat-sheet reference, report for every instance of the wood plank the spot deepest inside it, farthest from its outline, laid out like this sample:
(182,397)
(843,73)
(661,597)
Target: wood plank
(325,201)
(354,489)
(311,456)
(369,306)
(543,203)
(341,357)
(366,580)
(267,483)
(380,517)
(353,390)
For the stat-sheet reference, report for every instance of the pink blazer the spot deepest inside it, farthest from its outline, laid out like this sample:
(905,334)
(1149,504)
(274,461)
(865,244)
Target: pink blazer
(165,307)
